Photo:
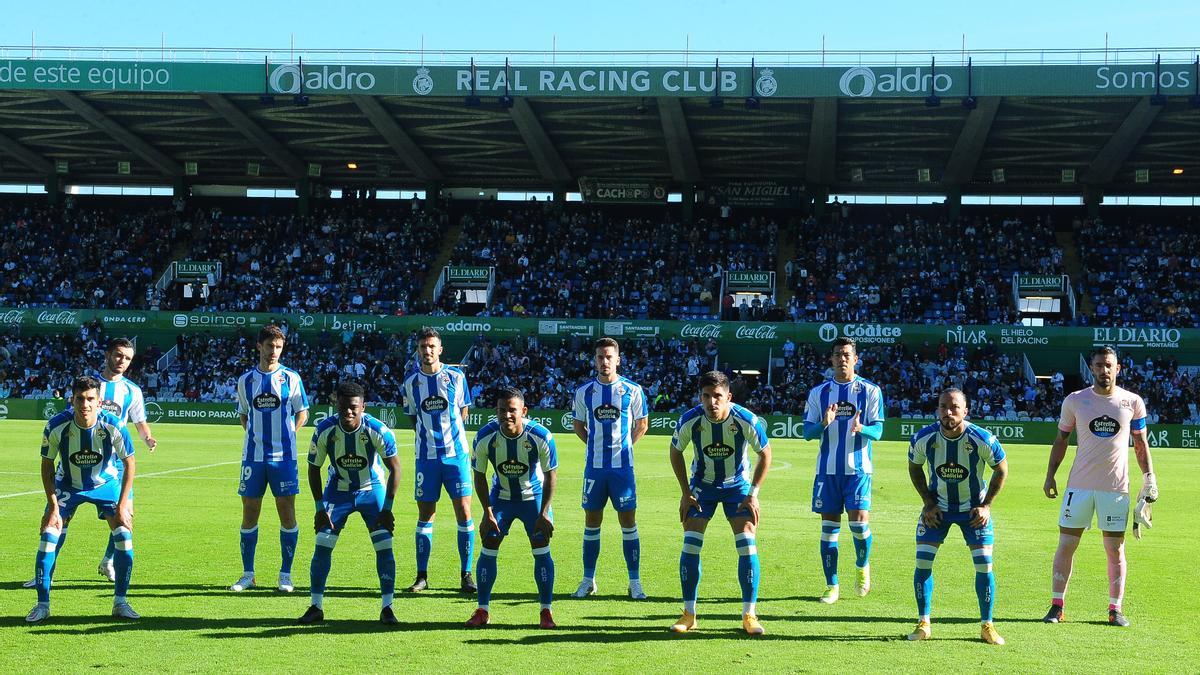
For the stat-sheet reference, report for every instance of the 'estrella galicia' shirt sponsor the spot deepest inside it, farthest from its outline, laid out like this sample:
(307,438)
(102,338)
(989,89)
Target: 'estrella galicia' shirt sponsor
(355,457)
(956,465)
(520,463)
(270,401)
(844,452)
(435,403)
(87,458)
(720,458)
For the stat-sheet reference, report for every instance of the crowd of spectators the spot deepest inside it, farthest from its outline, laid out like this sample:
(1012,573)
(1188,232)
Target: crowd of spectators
(341,260)
(82,258)
(1139,274)
(590,263)
(909,270)
(207,367)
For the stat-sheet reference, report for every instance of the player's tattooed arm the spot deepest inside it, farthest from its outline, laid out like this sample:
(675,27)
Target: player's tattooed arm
(981,514)
(931,514)
(1058,451)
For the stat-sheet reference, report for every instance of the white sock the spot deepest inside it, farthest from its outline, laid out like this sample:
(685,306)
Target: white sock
(317,600)
(386,599)
(747,608)
(118,600)
(689,606)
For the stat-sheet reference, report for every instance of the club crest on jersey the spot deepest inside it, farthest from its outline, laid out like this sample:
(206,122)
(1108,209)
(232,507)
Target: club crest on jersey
(101,434)
(267,401)
(1104,426)
(352,462)
(435,404)
(846,409)
(951,472)
(718,450)
(86,458)
(528,445)
(111,406)
(511,467)
(606,412)
(620,390)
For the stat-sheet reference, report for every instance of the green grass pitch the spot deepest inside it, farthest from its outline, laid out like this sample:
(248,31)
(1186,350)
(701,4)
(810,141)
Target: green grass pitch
(186,547)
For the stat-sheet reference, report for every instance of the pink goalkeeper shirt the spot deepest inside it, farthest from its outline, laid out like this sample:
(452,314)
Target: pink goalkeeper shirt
(1103,425)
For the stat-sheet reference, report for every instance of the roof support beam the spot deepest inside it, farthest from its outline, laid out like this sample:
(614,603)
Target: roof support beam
(25,156)
(1108,161)
(413,156)
(960,168)
(685,168)
(545,156)
(821,167)
(139,147)
(273,149)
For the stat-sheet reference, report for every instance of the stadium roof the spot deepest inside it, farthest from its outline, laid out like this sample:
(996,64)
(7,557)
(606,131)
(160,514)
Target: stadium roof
(852,129)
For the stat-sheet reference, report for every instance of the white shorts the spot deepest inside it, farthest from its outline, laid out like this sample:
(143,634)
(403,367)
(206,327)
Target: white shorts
(1111,509)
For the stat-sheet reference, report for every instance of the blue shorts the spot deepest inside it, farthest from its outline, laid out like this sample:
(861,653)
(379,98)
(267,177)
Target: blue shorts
(104,497)
(451,473)
(601,486)
(507,511)
(282,476)
(341,504)
(834,494)
(730,498)
(974,537)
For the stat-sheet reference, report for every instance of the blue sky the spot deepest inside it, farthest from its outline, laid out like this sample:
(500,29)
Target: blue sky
(704,24)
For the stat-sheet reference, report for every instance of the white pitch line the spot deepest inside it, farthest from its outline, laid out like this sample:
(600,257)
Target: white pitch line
(144,475)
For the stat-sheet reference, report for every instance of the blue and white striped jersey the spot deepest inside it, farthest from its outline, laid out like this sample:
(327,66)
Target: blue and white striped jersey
(87,458)
(609,411)
(435,403)
(956,465)
(844,452)
(122,398)
(521,463)
(270,401)
(355,457)
(721,459)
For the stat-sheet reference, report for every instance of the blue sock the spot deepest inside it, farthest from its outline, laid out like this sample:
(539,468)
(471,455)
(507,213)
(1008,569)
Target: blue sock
(43,568)
(424,545)
(287,547)
(485,575)
(862,542)
(631,545)
(923,579)
(318,571)
(62,541)
(689,568)
(385,565)
(985,582)
(591,551)
(109,551)
(466,545)
(122,561)
(830,529)
(249,543)
(748,569)
(543,575)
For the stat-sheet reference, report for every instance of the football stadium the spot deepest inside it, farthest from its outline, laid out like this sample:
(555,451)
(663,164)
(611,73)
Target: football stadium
(864,301)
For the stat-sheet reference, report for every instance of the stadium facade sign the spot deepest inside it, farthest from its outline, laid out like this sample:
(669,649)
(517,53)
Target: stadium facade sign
(750,281)
(1055,284)
(756,194)
(487,79)
(560,422)
(630,191)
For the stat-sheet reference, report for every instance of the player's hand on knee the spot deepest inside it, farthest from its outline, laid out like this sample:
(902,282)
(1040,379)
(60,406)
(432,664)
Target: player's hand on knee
(125,514)
(545,527)
(386,521)
(931,515)
(52,520)
(980,515)
(750,507)
(489,526)
(1050,488)
(686,503)
(321,521)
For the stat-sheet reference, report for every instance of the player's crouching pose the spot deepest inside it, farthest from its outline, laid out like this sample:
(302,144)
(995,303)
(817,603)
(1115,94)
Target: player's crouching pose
(358,447)
(88,443)
(525,460)
(721,432)
(955,451)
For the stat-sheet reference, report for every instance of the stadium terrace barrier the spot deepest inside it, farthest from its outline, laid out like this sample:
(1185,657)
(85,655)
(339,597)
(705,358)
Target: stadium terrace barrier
(560,421)
(766,80)
(1184,343)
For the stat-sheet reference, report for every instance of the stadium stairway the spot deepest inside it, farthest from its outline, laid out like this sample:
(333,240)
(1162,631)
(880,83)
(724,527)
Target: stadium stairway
(443,256)
(1074,266)
(786,251)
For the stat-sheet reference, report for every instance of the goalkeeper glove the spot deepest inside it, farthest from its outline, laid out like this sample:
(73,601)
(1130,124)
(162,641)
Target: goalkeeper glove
(1149,488)
(1141,517)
